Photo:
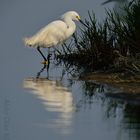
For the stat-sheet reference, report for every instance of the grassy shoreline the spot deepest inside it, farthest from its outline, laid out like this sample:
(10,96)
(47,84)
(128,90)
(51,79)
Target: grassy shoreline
(110,47)
(107,53)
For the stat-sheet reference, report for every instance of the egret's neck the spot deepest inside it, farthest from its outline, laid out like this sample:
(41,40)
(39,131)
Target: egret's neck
(70,26)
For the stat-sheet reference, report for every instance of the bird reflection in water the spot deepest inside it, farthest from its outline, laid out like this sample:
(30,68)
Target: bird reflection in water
(55,98)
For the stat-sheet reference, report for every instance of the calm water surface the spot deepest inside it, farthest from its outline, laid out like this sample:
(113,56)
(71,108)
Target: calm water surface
(54,106)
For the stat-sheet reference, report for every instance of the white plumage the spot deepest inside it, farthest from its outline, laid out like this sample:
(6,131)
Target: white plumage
(55,32)
(50,35)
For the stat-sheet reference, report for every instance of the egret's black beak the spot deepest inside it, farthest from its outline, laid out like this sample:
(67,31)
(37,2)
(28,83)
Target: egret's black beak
(82,22)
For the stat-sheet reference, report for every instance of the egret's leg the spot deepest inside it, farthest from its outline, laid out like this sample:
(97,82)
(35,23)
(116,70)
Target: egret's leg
(38,48)
(39,73)
(45,60)
(48,58)
(49,55)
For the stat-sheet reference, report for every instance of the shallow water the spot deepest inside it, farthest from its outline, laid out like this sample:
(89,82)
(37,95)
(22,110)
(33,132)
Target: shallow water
(55,106)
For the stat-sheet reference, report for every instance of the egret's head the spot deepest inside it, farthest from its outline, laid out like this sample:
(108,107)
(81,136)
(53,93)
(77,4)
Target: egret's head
(71,14)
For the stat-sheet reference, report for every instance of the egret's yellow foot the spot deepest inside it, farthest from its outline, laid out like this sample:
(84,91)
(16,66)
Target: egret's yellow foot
(44,62)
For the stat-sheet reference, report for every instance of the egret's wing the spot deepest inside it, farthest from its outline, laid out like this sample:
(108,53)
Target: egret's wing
(52,34)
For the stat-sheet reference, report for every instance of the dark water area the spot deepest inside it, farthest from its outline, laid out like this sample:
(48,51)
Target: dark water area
(55,106)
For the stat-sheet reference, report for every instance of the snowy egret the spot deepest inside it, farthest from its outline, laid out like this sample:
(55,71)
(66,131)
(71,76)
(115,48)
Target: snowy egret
(54,33)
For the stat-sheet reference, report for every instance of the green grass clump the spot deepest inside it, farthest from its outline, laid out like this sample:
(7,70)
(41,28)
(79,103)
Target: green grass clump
(100,46)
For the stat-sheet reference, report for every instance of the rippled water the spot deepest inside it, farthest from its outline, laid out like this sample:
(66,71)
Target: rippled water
(54,106)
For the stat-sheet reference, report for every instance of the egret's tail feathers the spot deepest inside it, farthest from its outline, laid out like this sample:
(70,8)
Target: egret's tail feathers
(28,42)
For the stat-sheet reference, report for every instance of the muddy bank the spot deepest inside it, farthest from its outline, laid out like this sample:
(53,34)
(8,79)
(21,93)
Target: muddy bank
(126,84)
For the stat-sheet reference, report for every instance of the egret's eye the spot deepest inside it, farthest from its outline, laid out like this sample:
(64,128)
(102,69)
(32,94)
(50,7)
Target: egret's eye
(78,17)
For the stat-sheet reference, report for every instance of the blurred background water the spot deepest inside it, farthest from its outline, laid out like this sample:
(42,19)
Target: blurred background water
(58,108)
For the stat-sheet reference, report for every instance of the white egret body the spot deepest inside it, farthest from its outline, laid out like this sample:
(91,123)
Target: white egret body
(54,33)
